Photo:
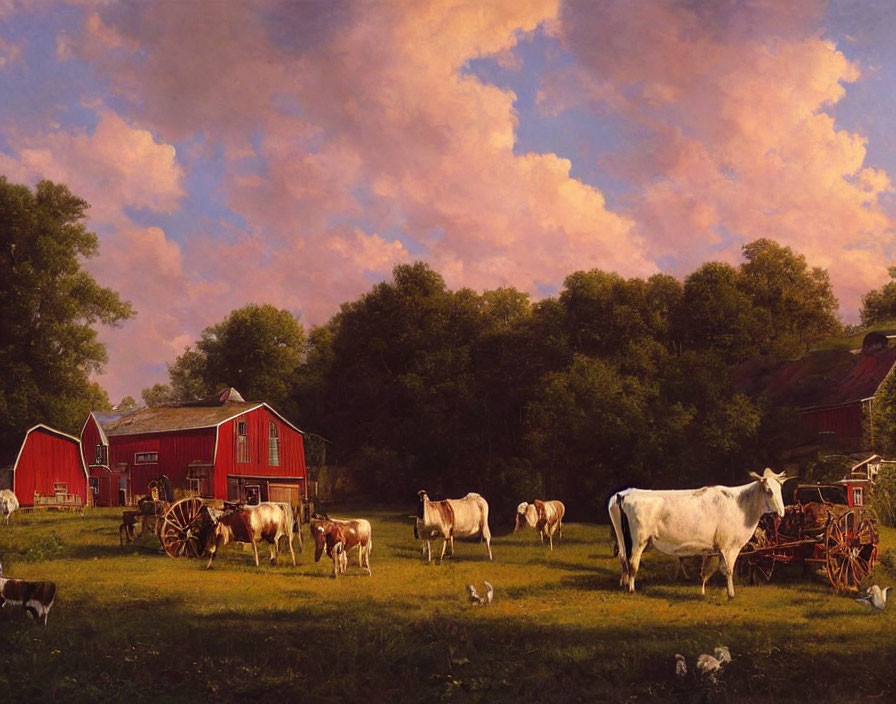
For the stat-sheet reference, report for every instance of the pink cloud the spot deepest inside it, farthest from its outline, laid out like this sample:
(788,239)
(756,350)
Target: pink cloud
(734,98)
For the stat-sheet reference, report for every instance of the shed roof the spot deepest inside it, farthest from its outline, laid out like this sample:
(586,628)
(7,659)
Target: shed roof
(822,379)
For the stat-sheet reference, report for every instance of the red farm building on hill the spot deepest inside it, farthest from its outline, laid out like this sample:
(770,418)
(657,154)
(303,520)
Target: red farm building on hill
(224,448)
(49,470)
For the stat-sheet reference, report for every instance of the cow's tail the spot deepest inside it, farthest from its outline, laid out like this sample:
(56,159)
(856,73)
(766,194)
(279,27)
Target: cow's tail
(620,524)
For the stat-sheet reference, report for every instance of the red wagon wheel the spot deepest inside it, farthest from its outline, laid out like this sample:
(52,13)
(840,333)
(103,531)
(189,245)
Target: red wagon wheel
(181,530)
(850,550)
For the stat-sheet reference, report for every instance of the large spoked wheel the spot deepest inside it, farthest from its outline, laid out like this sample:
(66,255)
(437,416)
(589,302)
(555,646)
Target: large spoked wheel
(181,533)
(850,550)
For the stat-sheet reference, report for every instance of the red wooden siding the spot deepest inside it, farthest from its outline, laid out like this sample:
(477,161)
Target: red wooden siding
(90,438)
(47,458)
(839,426)
(176,450)
(291,454)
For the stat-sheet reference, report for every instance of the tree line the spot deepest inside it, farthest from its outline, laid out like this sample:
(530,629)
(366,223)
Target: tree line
(613,381)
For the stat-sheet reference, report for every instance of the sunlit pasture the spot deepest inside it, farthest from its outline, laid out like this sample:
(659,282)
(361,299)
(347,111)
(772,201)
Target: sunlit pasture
(134,624)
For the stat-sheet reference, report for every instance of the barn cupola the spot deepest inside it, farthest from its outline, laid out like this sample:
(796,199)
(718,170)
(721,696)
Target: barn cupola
(230,395)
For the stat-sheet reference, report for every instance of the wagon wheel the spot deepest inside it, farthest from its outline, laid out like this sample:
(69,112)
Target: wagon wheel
(180,533)
(850,550)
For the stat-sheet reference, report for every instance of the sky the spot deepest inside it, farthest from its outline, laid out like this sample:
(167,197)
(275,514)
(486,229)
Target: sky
(293,153)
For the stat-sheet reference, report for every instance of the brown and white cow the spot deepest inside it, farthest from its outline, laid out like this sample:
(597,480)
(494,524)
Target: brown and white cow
(545,516)
(330,536)
(450,518)
(355,532)
(35,598)
(267,521)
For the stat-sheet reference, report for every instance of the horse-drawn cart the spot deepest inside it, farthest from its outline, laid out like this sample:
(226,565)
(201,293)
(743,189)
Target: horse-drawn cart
(819,530)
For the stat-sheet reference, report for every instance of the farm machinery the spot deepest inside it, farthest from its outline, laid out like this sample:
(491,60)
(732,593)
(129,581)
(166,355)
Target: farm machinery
(822,531)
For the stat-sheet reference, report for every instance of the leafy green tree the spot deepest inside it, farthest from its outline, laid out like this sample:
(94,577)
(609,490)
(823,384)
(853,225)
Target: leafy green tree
(797,303)
(51,305)
(257,349)
(128,403)
(158,395)
(880,305)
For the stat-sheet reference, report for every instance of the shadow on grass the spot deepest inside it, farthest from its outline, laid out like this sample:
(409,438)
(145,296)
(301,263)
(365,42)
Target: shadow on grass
(314,650)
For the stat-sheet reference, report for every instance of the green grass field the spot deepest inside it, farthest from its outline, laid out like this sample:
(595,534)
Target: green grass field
(137,626)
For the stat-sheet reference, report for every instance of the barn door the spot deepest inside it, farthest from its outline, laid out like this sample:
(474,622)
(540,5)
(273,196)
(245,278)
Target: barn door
(284,493)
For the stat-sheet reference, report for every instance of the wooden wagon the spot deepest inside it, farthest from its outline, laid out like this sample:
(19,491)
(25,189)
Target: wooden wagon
(822,531)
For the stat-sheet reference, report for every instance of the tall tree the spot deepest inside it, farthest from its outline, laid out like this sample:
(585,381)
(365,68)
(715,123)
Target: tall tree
(257,349)
(51,305)
(880,305)
(798,303)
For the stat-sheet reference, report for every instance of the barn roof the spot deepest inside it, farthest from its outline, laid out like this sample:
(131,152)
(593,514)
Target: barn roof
(209,413)
(821,379)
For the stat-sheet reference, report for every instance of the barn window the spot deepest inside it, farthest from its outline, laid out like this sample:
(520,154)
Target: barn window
(198,479)
(242,441)
(102,453)
(146,458)
(857,496)
(273,445)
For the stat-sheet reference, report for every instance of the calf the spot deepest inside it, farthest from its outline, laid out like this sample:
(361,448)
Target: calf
(356,532)
(267,521)
(35,598)
(330,535)
(545,516)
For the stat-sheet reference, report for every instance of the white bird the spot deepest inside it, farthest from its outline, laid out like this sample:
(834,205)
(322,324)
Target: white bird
(708,667)
(875,597)
(723,655)
(473,595)
(681,667)
(489,593)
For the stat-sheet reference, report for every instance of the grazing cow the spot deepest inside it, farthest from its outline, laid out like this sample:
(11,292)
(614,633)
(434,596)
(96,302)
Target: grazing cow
(713,519)
(35,598)
(8,503)
(266,521)
(545,516)
(450,518)
(356,532)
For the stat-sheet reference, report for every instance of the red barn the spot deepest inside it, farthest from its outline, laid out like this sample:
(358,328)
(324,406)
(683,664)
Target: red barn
(49,470)
(224,448)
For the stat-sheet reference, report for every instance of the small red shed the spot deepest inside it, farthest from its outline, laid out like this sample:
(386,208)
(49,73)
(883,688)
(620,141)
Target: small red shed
(222,448)
(49,470)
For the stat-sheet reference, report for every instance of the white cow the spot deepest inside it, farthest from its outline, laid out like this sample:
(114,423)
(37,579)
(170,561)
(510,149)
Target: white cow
(463,518)
(8,503)
(714,519)
(545,516)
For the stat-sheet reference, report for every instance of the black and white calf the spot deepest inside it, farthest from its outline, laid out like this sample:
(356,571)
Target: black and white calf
(35,598)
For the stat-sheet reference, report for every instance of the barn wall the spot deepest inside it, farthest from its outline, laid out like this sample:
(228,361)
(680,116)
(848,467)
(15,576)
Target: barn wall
(176,451)
(841,427)
(292,450)
(45,459)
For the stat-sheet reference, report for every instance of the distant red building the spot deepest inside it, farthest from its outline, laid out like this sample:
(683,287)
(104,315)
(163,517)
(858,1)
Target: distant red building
(224,449)
(49,469)
(833,390)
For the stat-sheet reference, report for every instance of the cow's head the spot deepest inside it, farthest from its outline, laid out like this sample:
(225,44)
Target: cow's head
(525,515)
(771,485)
(319,536)
(423,498)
